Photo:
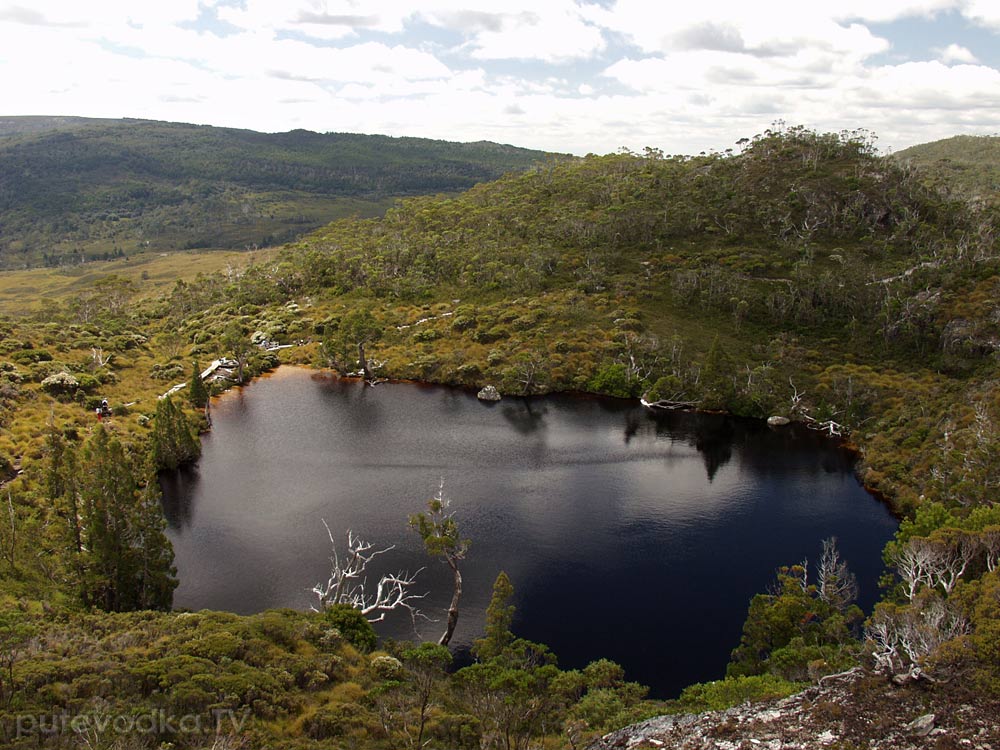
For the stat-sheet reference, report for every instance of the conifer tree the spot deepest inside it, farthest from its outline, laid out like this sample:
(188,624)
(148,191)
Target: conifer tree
(197,392)
(127,560)
(156,573)
(172,442)
(499,620)
(61,485)
(716,377)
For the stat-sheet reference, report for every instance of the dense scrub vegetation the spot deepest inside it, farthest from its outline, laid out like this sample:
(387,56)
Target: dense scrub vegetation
(73,189)
(804,276)
(966,164)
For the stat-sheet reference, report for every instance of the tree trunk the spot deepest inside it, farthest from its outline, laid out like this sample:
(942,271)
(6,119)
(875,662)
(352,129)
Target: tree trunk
(453,608)
(424,700)
(364,362)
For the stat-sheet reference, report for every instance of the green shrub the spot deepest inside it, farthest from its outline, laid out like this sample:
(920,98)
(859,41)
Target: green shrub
(337,720)
(426,334)
(459,731)
(463,322)
(386,667)
(469,373)
(732,691)
(613,380)
(216,646)
(353,626)
(171,371)
(30,356)
(669,386)
(488,336)
(60,384)
(603,673)
(281,627)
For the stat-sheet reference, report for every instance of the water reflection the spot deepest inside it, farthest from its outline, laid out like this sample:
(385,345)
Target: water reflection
(179,490)
(524,415)
(610,520)
(714,440)
(633,422)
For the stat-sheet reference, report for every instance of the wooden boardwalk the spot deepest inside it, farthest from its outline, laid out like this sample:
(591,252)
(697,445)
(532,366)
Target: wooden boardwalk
(216,364)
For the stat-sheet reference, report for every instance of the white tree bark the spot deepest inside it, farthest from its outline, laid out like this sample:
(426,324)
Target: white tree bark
(348,583)
(908,635)
(838,586)
(989,542)
(913,563)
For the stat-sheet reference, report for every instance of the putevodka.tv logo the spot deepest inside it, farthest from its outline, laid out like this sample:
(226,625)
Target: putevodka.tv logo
(219,721)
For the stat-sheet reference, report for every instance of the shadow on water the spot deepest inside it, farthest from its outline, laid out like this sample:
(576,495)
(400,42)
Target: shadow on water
(179,488)
(525,415)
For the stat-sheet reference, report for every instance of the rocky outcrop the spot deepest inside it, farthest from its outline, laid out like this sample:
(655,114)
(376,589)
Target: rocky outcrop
(489,393)
(855,710)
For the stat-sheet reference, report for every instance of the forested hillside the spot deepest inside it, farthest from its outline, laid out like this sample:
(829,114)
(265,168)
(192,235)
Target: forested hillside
(966,164)
(805,277)
(77,189)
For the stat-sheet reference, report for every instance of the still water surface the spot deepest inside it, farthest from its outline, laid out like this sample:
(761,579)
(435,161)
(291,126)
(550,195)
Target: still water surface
(634,536)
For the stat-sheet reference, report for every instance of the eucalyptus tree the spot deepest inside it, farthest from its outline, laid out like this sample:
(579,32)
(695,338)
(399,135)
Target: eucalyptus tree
(237,344)
(356,330)
(439,530)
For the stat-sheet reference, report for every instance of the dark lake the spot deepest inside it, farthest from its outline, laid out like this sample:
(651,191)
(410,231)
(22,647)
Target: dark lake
(629,535)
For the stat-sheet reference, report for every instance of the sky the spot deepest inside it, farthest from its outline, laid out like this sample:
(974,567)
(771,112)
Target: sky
(575,76)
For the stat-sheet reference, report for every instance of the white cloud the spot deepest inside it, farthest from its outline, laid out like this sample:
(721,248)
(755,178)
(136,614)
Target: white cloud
(689,76)
(98,14)
(549,33)
(883,11)
(315,18)
(765,29)
(931,86)
(552,31)
(955,53)
(986,12)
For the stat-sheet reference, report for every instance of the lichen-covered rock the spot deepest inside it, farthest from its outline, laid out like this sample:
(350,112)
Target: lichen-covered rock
(921,726)
(489,393)
(856,709)
(778,421)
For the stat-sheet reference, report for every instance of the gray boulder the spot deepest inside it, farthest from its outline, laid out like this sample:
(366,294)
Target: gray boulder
(489,393)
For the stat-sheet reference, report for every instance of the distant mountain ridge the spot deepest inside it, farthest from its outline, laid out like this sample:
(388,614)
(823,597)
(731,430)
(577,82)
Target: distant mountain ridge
(80,188)
(25,124)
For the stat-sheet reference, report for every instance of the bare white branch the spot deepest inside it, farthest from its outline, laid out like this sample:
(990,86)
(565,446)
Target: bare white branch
(913,562)
(348,583)
(939,560)
(989,542)
(908,635)
(837,585)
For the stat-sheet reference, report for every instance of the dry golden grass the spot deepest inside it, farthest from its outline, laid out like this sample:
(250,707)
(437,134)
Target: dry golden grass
(153,273)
